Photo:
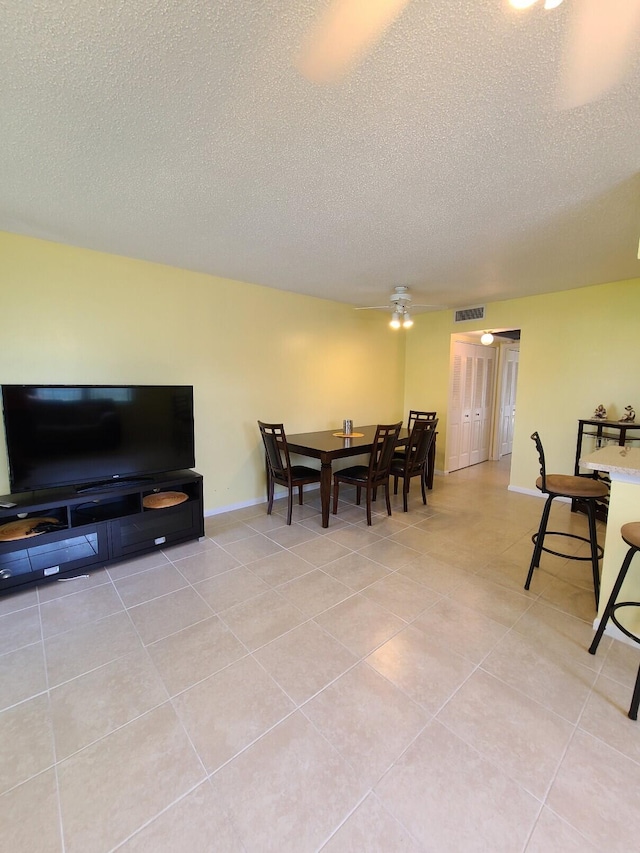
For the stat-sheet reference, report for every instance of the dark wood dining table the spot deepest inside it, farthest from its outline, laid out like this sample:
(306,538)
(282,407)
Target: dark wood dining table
(326,447)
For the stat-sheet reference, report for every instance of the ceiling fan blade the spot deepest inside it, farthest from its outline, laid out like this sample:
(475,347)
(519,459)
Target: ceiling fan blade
(599,50)
(392,307)
(343,35)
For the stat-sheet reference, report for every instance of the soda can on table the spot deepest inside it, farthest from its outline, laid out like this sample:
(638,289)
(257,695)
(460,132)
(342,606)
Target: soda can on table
(347,426)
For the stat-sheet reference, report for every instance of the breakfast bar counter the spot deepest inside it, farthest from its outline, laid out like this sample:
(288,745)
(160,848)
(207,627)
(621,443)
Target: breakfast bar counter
(623,467)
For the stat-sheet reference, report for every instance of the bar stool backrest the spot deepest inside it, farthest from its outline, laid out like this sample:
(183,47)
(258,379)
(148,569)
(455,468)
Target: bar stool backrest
(543,467)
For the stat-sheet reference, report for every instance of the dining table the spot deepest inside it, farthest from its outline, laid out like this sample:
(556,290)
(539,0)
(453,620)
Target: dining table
(328,445)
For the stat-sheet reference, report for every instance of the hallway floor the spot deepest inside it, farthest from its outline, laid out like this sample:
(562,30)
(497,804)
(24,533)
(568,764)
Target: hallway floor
(277,688)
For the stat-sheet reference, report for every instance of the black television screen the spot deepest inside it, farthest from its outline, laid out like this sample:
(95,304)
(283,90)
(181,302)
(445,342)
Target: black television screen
(67,435)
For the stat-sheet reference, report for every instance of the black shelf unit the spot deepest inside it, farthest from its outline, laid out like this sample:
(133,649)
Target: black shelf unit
(600,433)
(97,528)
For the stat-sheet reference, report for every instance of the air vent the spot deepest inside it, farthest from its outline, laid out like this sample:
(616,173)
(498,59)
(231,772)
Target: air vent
(463,314)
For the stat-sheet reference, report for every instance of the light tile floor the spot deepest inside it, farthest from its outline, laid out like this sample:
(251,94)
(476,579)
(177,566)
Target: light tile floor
(391,688)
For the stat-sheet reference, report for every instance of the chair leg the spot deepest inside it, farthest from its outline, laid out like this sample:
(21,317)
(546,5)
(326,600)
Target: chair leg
(395,484)
(290,506)
(423,483)
(593,537)
(300,495)
(359,494)
(368,505)
(635,701)
(612,600)
(405,493)
(386,494)
(336,487)
(270,490)
(537,551)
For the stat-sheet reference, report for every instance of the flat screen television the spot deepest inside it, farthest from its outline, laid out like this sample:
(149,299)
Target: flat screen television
(79,435)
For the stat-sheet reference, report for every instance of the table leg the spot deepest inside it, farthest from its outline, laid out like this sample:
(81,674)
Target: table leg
(325,491)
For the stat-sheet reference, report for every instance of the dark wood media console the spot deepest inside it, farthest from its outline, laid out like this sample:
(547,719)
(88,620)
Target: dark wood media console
(96,527)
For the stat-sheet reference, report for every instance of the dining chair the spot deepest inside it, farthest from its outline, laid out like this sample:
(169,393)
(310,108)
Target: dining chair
(375,474)
(279,467)
(413,462)
(417,415)
(588,491)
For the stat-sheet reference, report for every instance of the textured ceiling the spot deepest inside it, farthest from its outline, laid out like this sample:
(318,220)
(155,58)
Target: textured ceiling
(179,131)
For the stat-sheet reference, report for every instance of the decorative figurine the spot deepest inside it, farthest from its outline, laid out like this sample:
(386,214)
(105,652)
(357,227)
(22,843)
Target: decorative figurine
(629,416)
(600,413)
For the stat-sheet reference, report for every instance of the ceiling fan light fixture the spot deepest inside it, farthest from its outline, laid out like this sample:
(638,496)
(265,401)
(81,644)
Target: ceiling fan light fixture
(395,320)
(407,322)
(486,339)
(527,4)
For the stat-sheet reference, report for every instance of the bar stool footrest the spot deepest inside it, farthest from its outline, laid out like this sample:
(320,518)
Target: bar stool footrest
(586,539)
(635,701)
(624,630)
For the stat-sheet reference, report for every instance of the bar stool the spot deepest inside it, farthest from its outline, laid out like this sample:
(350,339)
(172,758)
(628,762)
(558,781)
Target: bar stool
(631,535)
(585,489)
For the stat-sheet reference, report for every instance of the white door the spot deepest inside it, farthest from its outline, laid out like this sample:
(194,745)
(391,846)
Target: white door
(466,428)
(482,405)
(471,399)
(459,429)
(508,400)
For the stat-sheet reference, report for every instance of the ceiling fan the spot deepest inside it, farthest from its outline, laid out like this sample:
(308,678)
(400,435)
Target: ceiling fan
(399,304)
(598,51)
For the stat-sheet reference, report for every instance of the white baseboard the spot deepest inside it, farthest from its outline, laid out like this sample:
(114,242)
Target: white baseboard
(535,493)
(280,492)
(208,513)
(613,631)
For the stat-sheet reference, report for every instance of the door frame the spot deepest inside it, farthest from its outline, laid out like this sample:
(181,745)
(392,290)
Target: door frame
(503,348)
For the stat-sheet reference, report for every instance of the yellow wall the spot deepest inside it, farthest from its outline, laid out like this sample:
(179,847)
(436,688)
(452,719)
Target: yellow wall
(76,316)
(578,348)
(71,315)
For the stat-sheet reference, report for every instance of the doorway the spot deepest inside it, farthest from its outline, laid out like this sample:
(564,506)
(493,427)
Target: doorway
(482,398)
(471,401)
(507,386)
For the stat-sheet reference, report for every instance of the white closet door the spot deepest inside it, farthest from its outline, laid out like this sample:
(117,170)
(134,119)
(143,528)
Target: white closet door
(471,399)
(460,402)
(455,411)
(466,429)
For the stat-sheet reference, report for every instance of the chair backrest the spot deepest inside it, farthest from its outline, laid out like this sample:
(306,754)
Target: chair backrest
(416,415)
(420,441)
(276,450)
(543,469)
(384,443)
